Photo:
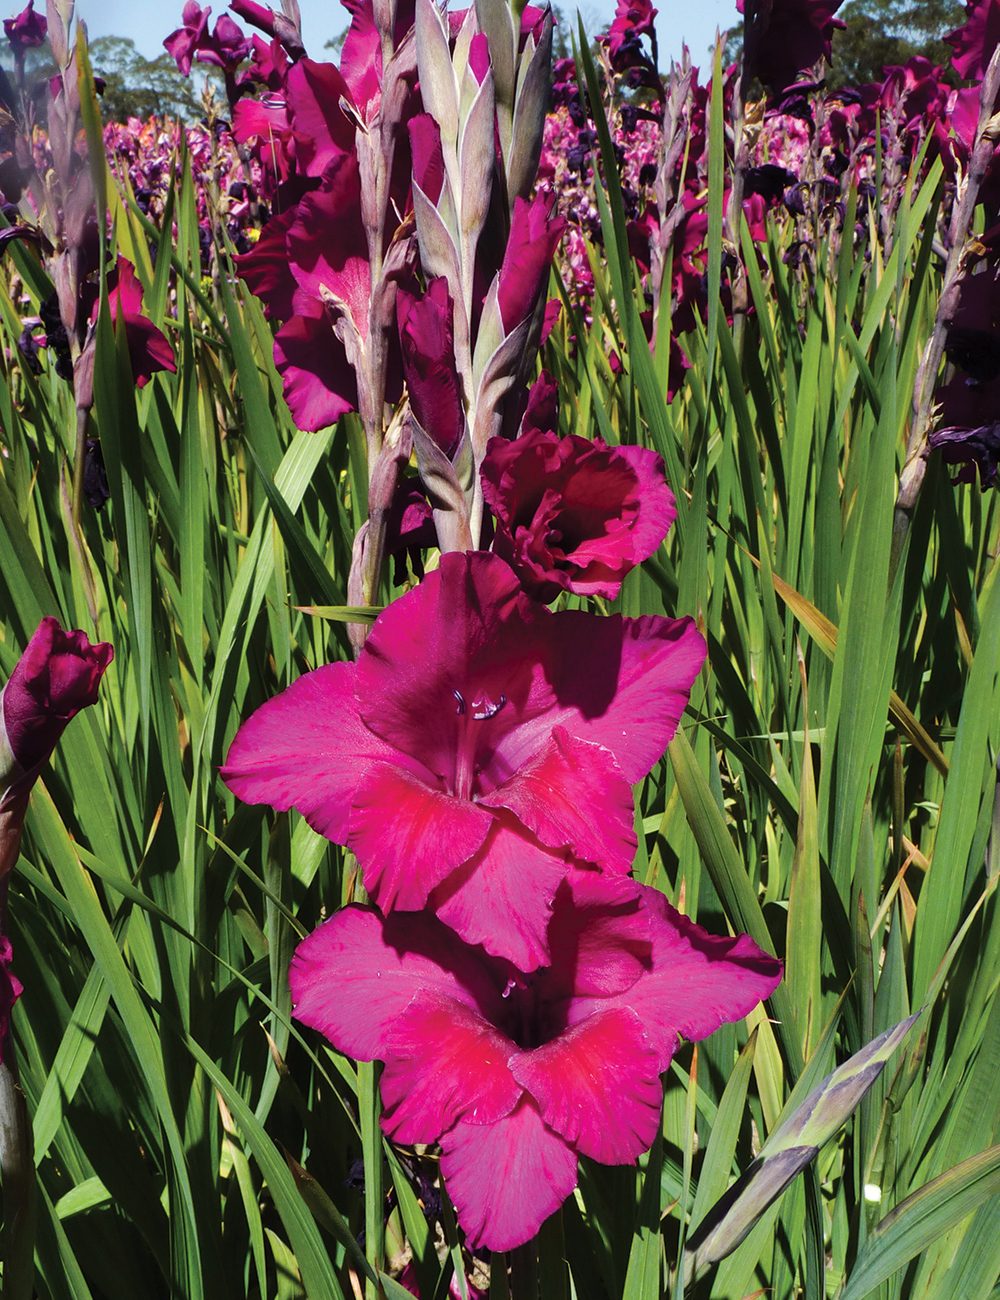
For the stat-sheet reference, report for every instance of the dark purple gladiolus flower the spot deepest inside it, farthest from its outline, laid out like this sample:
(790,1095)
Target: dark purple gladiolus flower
(478,745)
(517,1075)
(798,34)
(182,44)
(226,48)
(574,515)
(975,41)
(95,476)
(27,30)
(633,20)
(534,234)
(426,335)
(977,448)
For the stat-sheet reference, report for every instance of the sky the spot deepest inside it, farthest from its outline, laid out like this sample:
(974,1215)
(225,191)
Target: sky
(148,23)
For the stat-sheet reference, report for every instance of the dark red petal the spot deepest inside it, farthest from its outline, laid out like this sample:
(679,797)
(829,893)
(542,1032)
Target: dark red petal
(307,749)
(355,976)
(506,1178)
(408,837)
(598,1086)
(318,382)
(445,1062)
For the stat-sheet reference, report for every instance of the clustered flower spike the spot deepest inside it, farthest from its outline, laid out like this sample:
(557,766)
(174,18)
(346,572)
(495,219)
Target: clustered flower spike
(478,756)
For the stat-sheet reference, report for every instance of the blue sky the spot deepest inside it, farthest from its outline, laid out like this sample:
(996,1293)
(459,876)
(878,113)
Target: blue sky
(148,23)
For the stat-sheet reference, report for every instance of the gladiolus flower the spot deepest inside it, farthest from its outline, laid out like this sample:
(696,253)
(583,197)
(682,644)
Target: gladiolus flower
(56,677)
(534,234)
(575,515)
(479,744)
(797,35)
(148,347)
(27,30)
(516,1076)
(182,44)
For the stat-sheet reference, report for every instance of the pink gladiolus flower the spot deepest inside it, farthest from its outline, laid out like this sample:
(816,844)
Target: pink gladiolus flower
(575,515)
(226,48)
(515,1076)
(477,746)
(975,41)
(27,30)
(11,989)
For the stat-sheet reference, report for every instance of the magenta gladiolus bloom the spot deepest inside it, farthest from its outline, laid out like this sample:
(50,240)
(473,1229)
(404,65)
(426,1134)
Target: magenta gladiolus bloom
(182,44)
(149,349)
(27,30)
(478,746)
(515,1076)
(535,231)
(975,41)
(575,515)
(56,677)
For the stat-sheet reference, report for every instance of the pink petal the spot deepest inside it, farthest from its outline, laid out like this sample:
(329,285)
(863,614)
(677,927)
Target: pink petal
(409,837)
(319,384)
(306,749)
(598,1086)
(445,1063)
(322,129)
(502,898)
(698,981)
(382,964)
(506,1178)
(599,937)
(573,796)
(465,628)
(624,683)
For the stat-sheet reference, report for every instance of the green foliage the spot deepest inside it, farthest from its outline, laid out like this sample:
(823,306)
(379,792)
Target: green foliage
(884,32)
(138,87)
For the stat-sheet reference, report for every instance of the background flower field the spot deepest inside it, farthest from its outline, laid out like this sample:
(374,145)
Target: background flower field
(781,339)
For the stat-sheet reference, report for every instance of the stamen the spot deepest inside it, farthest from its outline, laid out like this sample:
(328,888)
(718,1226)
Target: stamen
(483,708)
(461,701)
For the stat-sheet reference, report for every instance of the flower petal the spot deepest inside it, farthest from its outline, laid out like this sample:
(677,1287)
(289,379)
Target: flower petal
(506,1178)
(502,898)
(698,981)
(572,795)
(409,837)
(624,683)
(445,1063)
(598,1086)
(355,976)
(599,937)
(305,748)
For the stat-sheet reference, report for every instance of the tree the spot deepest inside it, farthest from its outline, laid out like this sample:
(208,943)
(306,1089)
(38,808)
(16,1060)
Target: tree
(136,86)
(884,32)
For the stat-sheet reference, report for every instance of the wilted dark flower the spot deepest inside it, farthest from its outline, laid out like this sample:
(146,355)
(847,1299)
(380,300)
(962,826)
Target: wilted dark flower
(95,476)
